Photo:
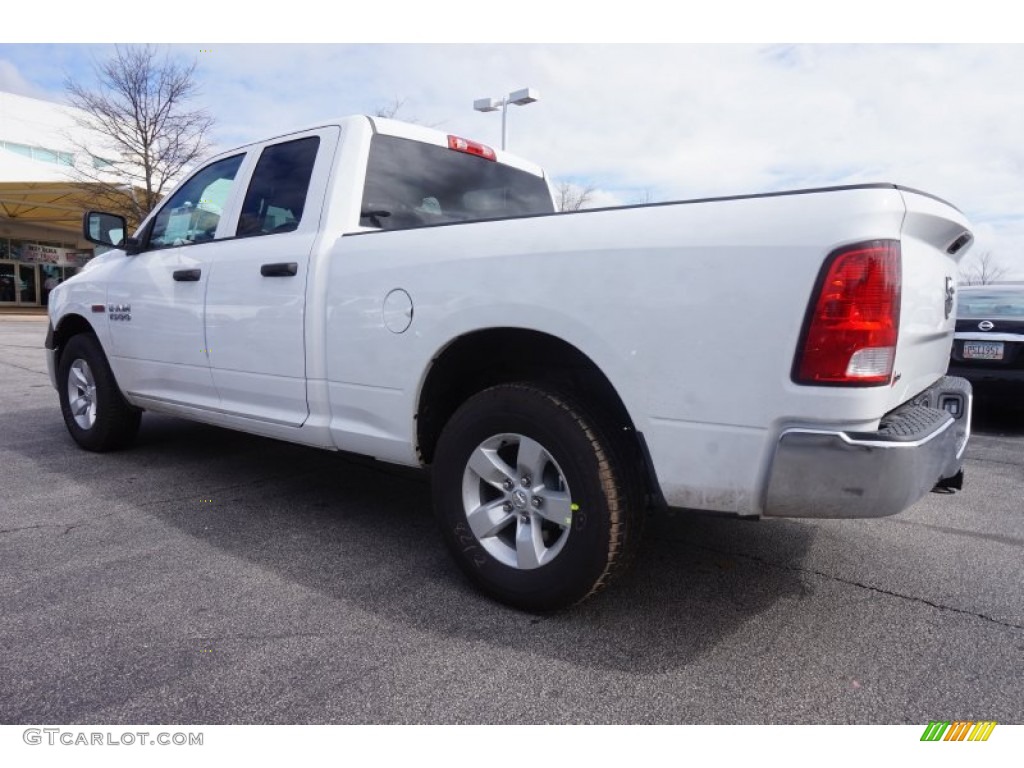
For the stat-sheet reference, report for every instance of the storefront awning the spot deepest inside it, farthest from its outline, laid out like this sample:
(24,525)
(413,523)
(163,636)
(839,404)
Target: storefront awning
(45,194)
(55,204)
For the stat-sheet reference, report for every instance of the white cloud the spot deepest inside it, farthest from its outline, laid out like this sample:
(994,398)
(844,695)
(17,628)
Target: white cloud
(12,81)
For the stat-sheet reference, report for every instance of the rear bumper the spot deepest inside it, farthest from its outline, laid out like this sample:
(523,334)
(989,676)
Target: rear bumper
(832,473)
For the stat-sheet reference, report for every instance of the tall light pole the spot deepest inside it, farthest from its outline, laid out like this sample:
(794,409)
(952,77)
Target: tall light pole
(520,98)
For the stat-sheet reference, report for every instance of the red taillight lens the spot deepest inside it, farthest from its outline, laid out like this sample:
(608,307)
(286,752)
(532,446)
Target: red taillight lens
(850,335)
(471,147)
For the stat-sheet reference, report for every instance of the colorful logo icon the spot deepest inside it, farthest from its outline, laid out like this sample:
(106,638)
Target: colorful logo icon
(958,730)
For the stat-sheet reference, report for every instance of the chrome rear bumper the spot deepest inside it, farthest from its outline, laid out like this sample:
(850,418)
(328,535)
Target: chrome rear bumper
(826,473)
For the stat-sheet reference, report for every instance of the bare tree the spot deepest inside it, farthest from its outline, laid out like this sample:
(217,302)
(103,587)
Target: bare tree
(393,109)
(572,197)
(396,109)
(644,197)
(982,270)
(150,136)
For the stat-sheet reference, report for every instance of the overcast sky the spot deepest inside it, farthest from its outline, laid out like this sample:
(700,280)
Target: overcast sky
(656,122)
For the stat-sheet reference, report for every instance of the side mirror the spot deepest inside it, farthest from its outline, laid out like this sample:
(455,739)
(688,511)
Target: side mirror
(104,228)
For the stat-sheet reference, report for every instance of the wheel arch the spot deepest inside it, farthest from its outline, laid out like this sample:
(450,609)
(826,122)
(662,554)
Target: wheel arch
(481,359)
(70,325)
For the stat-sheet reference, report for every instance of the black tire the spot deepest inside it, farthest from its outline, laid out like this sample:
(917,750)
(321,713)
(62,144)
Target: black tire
(115,423)
(598,538)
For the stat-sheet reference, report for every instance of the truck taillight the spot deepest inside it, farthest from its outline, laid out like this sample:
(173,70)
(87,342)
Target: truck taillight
(851,332)
(471,147)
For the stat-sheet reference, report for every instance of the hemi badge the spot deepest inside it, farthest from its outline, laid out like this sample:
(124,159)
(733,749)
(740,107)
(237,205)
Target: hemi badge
(98,308)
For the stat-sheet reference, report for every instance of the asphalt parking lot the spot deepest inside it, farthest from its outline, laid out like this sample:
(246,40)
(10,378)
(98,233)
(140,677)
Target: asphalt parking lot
(206,576)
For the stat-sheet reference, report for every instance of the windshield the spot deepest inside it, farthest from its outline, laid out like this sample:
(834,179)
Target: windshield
(412,184)
(983,304)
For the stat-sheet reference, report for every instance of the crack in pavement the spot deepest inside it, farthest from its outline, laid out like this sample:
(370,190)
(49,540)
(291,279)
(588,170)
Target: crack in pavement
(32,527)
(1011,541)
(280,636)
(982,460)
(23,368)
(68,527)
(879,590)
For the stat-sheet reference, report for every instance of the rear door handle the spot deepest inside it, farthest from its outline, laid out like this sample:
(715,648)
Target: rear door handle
(187,275)
(282,269)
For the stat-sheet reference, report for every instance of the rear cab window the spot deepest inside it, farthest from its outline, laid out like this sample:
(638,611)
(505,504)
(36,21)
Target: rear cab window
(412,184)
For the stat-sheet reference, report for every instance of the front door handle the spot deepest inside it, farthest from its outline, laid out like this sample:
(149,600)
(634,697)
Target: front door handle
(282,269)
(187,275)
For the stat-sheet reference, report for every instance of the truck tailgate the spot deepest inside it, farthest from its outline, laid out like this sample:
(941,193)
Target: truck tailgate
(934,237)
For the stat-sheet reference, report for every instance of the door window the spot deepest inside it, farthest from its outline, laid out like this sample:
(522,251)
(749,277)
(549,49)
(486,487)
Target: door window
(192,214)
(276,196)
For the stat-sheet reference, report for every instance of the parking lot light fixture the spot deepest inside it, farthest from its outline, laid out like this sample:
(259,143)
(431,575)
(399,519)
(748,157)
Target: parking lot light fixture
(520,98)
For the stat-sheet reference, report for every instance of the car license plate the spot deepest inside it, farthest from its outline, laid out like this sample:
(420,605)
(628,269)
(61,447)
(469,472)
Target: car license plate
(983,350)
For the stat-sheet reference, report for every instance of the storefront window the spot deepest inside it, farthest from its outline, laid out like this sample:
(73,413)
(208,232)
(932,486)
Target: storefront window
(52,277)
(31,269)
(27,278)
(7,283)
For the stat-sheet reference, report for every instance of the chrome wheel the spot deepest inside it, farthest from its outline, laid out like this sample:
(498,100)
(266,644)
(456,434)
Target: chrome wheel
(516,500)
(82,394)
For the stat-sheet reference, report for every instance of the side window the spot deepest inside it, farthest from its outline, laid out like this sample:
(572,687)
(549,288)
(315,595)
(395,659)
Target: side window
(277,193)
(193,212)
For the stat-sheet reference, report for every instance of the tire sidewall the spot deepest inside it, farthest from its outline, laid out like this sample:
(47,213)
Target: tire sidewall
(560,428)
(86,347)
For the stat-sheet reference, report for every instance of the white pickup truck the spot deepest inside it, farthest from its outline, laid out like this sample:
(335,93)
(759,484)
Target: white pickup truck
(385,289)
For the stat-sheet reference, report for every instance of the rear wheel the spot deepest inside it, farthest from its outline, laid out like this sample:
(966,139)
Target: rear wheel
(95,412)
(535,501)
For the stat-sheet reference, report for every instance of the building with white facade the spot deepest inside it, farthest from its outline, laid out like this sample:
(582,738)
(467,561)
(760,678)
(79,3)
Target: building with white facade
(41,198)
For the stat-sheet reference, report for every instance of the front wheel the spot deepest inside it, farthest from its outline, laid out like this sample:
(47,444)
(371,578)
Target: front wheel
(95,412)
(535,501)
